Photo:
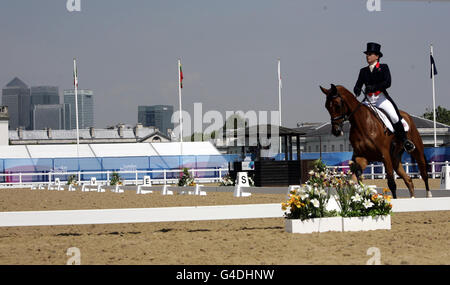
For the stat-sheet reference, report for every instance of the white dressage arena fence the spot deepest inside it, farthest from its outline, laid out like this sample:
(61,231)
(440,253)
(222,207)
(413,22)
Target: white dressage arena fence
(22,179)
(445,178)
(378,171)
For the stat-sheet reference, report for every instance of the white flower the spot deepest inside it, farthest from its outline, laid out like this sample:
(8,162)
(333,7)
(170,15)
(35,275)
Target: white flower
(304,196)
(367,204)
(358,188)
(315,203)
(356,198)
(322,192)
(300,191)
(316,191)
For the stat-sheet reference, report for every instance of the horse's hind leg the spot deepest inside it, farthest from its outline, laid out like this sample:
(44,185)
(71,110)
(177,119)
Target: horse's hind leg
(421,161)
(419,156)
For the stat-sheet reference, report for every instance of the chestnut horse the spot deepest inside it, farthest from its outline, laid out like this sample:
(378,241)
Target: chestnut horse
(370,139)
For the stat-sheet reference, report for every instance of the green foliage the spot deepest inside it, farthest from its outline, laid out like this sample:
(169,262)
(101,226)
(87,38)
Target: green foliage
(442,115)
(115,179)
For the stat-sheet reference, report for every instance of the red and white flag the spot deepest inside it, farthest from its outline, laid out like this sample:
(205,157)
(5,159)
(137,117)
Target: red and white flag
(75,74)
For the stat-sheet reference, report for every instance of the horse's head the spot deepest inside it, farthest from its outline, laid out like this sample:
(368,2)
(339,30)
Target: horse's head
(337,108)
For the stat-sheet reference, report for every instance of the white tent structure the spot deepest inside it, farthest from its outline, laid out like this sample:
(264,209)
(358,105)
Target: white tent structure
(133,160)
(107,150)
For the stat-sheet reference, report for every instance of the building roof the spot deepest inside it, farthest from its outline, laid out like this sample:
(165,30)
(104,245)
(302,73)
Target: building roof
(282,131)
(425,123)
(16,82)
(157,133)
(325,129)
(137,134)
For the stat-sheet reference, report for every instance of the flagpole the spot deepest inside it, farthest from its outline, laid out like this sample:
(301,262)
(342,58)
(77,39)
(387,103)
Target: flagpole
(181,109)
(434,96)
(75,83)
(279,98)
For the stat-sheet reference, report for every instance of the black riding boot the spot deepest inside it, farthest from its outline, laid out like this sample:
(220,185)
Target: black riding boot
(401,135)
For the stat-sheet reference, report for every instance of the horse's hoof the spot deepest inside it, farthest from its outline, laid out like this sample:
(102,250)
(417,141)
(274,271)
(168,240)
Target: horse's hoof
(429,194)
(413,197)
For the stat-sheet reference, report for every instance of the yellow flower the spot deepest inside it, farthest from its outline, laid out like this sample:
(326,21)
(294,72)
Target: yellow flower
(385,190)
(374,197)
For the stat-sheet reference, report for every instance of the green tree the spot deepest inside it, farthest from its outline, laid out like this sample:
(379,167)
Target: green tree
(442,115)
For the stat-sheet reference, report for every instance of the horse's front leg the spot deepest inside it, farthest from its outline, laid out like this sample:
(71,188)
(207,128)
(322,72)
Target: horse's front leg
(359,164)
(390,175)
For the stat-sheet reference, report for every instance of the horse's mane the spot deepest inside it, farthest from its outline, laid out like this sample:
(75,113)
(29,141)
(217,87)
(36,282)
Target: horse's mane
(344,91)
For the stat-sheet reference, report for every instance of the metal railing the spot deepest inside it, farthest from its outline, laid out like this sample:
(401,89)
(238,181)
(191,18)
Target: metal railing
(166,176)
(171,176)
(373,174)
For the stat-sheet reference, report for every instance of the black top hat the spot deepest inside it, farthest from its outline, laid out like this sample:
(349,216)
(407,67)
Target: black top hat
(375,48)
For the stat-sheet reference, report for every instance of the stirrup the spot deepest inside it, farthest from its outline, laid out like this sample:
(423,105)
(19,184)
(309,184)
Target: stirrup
(409,146)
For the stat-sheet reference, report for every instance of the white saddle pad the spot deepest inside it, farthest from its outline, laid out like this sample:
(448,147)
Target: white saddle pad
(385,119)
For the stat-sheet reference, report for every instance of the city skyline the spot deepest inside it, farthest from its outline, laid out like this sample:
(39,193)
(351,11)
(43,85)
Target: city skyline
(127,52)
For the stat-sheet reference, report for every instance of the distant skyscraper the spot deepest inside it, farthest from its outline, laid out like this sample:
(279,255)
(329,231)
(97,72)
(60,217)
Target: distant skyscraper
(16,95)
(45,95)
(85,107)
(158,116)
(51,116)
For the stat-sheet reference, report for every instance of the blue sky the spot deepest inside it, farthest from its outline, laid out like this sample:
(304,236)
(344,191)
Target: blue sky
(127,52)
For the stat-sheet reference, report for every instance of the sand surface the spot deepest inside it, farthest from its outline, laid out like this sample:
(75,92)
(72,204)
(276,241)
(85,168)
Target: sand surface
(415,238)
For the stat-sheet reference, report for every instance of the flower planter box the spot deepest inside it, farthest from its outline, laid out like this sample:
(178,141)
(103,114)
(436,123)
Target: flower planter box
(338,224)
(314,225)
(366,223)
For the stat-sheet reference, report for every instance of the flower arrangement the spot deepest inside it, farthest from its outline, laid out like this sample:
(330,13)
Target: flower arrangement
(186,179)
(115,179)
(227,181)
(72,180)
(354,199)
(310,201)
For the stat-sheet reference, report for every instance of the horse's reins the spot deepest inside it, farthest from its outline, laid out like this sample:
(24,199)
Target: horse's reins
(344,115)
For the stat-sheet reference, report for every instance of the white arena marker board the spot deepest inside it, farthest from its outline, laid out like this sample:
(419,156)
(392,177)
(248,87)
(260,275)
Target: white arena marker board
(144,215)
(241,182)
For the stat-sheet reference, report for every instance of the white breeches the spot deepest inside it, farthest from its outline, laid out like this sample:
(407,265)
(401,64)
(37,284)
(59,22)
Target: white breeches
(381,102)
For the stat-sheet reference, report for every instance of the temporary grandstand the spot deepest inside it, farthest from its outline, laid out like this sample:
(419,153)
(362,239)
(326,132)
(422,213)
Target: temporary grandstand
(63,159)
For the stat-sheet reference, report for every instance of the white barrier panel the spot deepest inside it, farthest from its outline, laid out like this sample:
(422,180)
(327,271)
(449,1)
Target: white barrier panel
(421,204)
(144,215)
(180,214)
(445,178)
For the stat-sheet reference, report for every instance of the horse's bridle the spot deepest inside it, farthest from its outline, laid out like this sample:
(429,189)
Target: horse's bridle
(343,116)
